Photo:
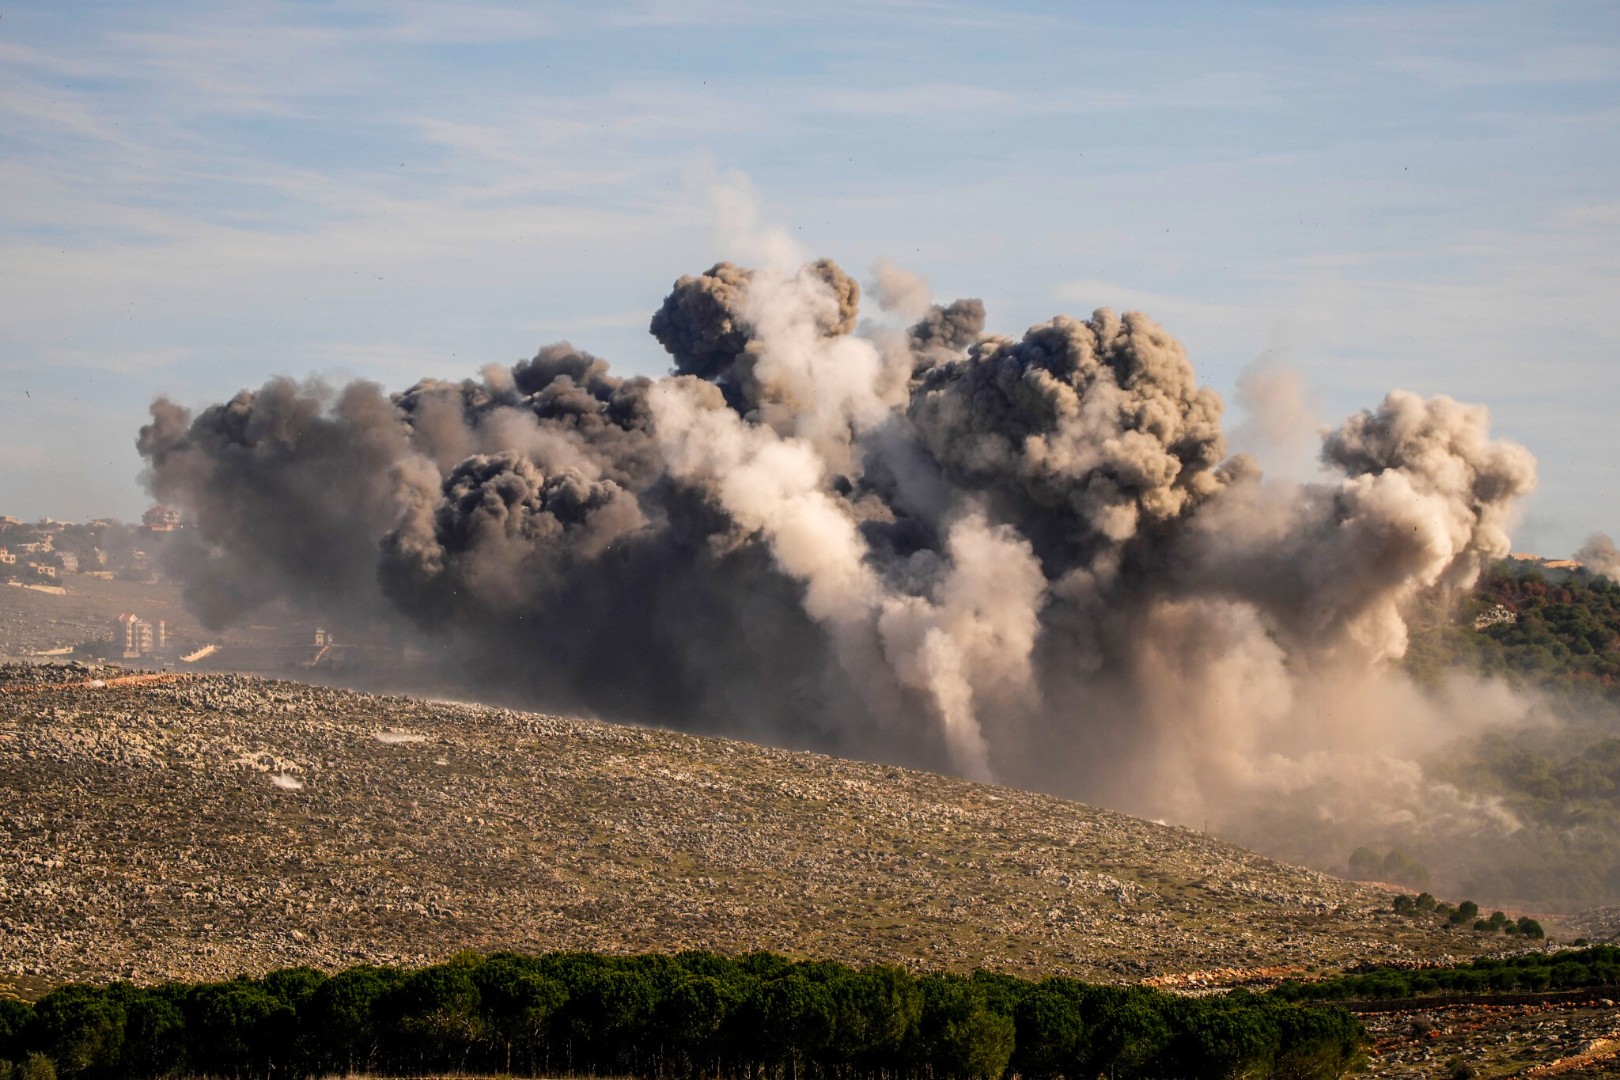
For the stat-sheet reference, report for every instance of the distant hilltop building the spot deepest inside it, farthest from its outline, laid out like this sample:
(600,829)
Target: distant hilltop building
(1556,571)
(1550,564)
(160,519)
(134,637)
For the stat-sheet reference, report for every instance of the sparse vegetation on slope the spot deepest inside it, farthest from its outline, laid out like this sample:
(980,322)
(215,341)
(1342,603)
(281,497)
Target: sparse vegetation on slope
(209,826)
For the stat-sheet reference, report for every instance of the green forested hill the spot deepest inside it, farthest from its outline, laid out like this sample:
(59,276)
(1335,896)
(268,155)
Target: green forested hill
(1556,636)
(1531,630)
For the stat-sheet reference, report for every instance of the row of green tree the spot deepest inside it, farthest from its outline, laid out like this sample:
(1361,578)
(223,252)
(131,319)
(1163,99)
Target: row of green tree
(693,1014)
(1424,904)
(1529,973)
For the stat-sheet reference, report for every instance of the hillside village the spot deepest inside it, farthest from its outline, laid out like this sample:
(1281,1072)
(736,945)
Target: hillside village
(49,552)
(96,592)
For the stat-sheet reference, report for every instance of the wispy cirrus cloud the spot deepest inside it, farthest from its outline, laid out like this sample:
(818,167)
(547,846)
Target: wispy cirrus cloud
(1563,64)
(200,193)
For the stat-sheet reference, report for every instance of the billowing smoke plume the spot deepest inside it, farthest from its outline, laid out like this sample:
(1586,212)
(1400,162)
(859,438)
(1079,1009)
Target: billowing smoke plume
(1600,556)
(1030,559)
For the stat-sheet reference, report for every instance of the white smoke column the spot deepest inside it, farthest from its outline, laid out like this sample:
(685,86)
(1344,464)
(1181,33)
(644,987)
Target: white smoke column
(739,230)
(1281,425)
(974,639)
(820,387)
(769,484)
(981,629)
(983,623)
(773,486)
(899,290)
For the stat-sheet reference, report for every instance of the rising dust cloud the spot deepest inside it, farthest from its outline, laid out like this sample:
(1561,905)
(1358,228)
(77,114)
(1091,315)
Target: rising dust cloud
(1030,560)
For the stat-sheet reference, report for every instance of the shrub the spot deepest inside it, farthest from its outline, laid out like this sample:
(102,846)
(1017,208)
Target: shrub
(37,1066)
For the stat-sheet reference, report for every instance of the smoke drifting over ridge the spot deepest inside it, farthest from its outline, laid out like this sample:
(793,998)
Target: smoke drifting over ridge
(1025,559)
(1600,556)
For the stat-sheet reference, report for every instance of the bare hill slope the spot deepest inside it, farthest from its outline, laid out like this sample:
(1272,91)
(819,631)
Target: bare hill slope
(200,826)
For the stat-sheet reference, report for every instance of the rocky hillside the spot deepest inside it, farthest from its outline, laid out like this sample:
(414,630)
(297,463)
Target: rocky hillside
(179,826)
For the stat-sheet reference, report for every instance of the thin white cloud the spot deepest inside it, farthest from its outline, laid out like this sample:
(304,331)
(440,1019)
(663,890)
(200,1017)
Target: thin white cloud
(584,323)
(442,23)
(622,116)
(677,14)
(940,98)
(1565,64)
(134,361)
(390,363)
(953,101)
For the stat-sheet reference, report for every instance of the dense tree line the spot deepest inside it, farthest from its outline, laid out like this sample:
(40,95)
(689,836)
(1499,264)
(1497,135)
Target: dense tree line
(694,1014)
(1560,632)
(1532,972)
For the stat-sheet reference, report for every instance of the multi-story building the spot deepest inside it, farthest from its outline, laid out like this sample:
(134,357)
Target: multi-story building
(134,637)
(160,519)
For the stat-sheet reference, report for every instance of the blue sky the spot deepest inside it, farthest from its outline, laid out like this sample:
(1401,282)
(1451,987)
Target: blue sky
(198,195)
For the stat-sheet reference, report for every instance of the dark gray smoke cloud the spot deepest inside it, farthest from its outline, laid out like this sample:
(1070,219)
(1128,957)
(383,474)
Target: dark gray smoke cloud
(704,324)
(1026,558)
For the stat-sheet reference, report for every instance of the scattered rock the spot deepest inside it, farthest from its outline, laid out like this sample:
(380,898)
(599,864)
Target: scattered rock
(205,826)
